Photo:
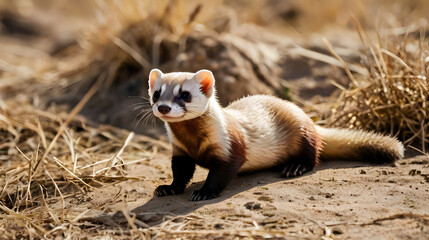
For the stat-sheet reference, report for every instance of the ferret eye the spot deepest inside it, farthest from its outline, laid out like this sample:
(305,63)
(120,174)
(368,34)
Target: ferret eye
(155,96)
(185,96)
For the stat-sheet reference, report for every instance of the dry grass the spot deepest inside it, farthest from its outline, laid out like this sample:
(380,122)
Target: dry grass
(49,157)
(393,98)
(124,37)
(171,35)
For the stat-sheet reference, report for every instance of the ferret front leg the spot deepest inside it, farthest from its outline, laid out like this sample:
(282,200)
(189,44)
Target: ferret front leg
(218,178)
(183,169)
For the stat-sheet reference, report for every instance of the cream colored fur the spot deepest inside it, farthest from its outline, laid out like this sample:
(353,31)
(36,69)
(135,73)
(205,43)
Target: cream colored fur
(272,128)
(347,143)
(266,144)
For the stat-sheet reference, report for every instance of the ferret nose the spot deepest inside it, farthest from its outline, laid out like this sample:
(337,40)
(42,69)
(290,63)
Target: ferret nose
(164,109)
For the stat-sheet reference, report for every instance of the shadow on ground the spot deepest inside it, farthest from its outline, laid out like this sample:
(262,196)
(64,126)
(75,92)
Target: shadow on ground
(158,209)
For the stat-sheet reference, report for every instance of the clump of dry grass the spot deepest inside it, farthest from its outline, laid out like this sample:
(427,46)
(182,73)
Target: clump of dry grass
(173,36)
(48,157)
(393,98)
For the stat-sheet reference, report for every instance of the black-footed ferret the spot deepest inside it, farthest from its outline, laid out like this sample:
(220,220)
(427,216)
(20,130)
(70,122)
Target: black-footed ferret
(252,133)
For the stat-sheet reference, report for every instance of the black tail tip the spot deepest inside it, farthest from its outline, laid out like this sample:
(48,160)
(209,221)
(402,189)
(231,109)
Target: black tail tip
(382,156)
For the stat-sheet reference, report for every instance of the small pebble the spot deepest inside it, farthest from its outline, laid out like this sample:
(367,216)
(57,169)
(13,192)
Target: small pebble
(252,205)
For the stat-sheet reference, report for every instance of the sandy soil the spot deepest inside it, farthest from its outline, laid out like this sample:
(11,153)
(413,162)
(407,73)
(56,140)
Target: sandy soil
(338,200)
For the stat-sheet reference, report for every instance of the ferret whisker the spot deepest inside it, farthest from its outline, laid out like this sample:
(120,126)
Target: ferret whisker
(139,108)
(140,104)
(144,111)
(147,118)
(141,97)
(144,114)
(140,114)
(152,120)
(138,122)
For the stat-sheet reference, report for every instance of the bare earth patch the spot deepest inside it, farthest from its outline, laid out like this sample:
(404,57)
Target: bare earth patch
(338,200)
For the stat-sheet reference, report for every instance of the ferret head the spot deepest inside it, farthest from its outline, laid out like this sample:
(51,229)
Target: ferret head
(180,96)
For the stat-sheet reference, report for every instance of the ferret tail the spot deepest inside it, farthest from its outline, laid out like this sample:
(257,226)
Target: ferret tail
(359,145)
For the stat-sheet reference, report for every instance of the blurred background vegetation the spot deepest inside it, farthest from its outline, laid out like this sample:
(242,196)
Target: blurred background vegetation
(57,50)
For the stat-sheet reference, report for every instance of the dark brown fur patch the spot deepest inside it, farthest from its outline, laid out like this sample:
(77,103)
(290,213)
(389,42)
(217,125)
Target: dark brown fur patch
(307,156)
(222,171)
(310,146)
(305,148)
(237,142)
(191,133)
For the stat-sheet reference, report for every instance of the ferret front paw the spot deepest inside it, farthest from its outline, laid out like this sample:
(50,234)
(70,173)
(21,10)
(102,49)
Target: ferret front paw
(165,190)
(199,195)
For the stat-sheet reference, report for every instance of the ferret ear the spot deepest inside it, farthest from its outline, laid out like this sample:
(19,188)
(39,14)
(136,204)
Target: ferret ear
(207,81)
(153,75)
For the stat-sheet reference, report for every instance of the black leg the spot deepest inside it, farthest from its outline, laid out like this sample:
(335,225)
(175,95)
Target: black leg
(183,169)
(295,168)
(302,162)
(218,178)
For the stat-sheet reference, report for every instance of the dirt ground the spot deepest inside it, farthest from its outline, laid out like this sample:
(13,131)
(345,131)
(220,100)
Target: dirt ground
(338,200)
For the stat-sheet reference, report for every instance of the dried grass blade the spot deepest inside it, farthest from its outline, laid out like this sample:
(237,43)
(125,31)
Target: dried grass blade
(422,126)
(327,59)
(133,53)
(70,172)
(131,222)
(56,221)
(71,116)
(385,51)
(30,174)
(70,143)
(328,44)
(113,159)
(61,195)
(80,216)
(120,165)
(23,217)
(359,31)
